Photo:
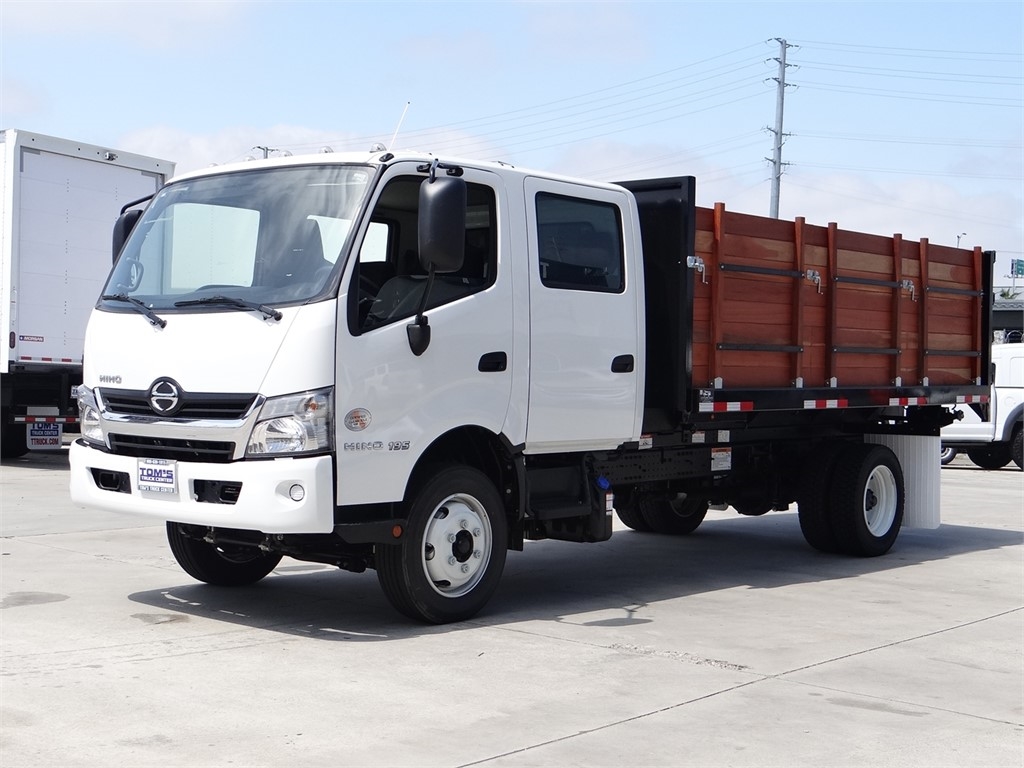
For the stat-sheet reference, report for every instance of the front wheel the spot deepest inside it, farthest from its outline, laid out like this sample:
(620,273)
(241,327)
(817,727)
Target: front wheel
(453,552)
(223,565)
(867,500)
(1017,450)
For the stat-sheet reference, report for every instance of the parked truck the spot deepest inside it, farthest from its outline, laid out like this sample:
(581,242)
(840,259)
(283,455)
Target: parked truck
(992,433)
(392,362)
(58,201)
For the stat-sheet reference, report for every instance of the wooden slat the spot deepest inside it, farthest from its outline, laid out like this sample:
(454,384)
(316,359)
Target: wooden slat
(833,291)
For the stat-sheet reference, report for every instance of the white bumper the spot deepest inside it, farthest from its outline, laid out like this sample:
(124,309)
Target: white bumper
(263,504)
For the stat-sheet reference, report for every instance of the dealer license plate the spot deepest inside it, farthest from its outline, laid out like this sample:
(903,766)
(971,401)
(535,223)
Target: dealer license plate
(158,476)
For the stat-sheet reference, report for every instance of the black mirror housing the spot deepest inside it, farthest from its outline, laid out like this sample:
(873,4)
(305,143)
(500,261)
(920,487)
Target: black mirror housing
(442,223)
(122,228)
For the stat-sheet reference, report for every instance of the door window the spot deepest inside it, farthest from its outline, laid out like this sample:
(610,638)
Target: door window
(580,244)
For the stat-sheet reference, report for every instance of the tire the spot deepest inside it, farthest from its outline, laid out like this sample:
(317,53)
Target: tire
(947,454)
(814,500)
(222,565)
(450,559)
(672,516)
(995,456)
(867,500)
(627,508)
(12,438)
(1017,447)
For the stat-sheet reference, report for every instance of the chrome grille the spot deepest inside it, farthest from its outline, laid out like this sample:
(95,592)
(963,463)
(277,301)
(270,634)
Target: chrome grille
(195,405)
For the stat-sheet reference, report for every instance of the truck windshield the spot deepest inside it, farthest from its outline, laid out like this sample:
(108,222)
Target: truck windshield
(265,237)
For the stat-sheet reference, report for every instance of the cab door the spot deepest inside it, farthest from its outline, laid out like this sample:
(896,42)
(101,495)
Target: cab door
(393,404)
(586,371)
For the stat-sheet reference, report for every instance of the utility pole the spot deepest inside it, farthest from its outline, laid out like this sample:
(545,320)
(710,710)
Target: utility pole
(780,101)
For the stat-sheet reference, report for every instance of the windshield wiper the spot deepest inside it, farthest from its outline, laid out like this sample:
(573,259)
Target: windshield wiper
(152,316)
(232,301)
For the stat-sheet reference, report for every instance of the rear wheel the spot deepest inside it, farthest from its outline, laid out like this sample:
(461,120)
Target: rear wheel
(995,456)
(450,559)
(627,507)
(815,498)
(224,565)
(12,437)
(1017,449)
(867,500)
(674,516)
(947,454)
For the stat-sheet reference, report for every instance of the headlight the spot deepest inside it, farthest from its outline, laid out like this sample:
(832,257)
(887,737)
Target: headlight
(89,416)
(293,424)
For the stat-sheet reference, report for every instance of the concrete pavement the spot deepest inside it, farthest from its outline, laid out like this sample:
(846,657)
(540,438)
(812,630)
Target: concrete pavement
(737,646)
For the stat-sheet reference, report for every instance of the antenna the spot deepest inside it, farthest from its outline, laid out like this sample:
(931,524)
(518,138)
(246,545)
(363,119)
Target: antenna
(391,144)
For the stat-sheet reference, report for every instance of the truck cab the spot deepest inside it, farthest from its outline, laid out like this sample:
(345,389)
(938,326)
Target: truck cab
(297,353)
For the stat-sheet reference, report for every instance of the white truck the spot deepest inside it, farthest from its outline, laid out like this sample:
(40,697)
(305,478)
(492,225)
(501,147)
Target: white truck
(392,362)
(58,201)
(992,433)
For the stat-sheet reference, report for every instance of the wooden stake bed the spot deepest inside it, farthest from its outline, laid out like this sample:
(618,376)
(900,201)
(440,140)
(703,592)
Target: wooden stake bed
(746,313)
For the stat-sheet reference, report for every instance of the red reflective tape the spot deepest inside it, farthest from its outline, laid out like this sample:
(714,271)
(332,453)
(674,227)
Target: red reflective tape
(827,403)
(45,420)
(908,401)
(735,405)
(972,398)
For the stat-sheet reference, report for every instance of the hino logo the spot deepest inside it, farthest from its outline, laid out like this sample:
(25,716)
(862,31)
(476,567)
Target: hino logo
(108,379)
(165,397)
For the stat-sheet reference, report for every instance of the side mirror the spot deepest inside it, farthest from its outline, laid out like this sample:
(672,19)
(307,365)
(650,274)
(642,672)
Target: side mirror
(122,228)
(442,223)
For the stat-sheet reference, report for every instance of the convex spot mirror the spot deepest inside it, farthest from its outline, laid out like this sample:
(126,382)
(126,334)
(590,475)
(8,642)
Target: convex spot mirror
(442,225)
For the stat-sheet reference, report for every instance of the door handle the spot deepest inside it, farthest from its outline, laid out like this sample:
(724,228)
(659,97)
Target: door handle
(622,364)
(493,362)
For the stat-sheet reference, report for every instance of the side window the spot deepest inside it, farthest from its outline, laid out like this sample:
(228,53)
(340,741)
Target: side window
(391,279)
(580,244)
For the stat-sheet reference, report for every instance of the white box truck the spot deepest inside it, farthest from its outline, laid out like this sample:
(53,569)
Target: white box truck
(58,202)
(384,361)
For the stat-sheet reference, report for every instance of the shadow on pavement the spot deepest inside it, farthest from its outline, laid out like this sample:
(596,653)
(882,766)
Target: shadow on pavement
(551,580)
(56,459)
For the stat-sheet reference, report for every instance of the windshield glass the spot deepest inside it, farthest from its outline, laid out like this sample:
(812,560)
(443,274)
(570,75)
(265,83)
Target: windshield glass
(270,236)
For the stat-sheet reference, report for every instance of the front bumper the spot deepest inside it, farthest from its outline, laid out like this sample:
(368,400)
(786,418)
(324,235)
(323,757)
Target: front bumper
(264,499)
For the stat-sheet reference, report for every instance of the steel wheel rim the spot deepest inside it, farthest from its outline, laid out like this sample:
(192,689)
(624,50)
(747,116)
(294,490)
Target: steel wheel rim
(456,545)
(880,501)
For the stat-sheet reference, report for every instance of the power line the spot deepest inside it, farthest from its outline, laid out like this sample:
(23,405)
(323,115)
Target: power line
(882,50)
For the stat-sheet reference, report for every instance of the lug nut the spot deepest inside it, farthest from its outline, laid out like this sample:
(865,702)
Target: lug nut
(477,532)
(463,524)
(465,568)
(452,560)
(451,538)
(477,554)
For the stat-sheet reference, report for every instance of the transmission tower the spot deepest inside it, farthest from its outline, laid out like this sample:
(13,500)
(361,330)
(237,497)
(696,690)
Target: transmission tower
(780,101)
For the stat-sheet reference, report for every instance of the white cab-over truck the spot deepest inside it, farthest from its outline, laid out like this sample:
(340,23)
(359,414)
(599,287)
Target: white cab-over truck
(992,433)
(393,362)
(58,201)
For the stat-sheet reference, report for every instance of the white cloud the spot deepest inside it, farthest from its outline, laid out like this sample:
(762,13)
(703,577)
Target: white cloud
(152,23)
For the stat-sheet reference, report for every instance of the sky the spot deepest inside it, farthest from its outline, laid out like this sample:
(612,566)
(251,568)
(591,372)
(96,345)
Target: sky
(897,117)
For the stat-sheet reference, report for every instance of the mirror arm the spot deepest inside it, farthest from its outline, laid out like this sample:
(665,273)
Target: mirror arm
(419,330)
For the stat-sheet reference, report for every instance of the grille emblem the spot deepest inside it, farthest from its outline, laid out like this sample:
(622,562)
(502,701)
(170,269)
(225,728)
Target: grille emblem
(165,397)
